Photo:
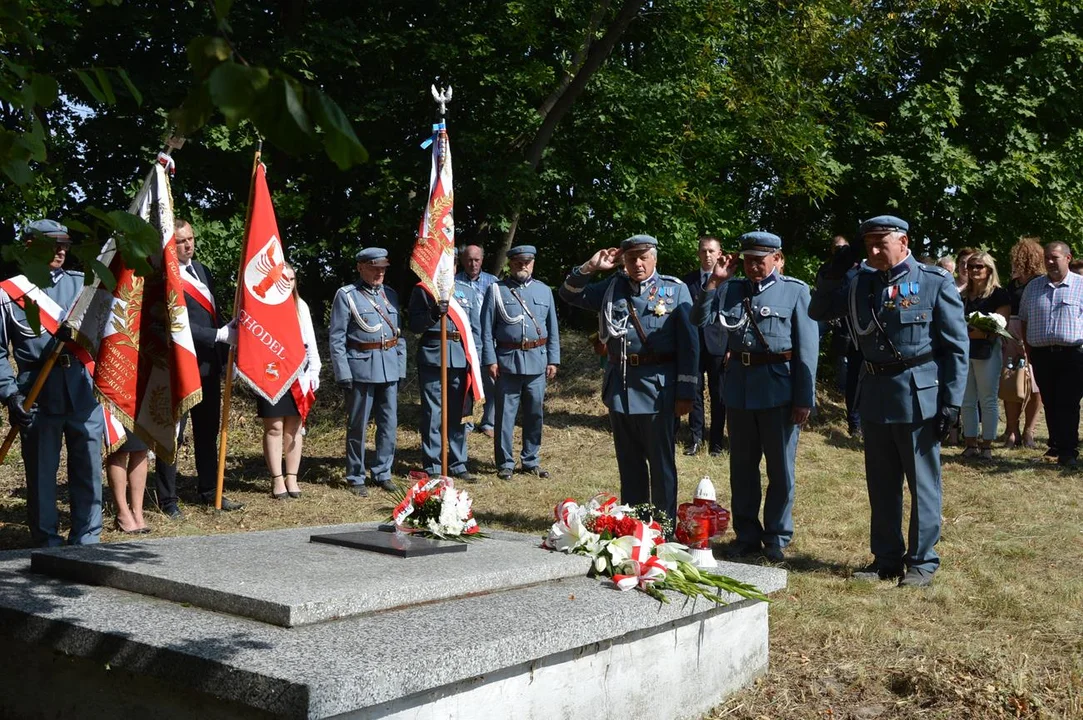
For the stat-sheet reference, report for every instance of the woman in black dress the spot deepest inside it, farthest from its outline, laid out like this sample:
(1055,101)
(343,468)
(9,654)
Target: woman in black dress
(282,436)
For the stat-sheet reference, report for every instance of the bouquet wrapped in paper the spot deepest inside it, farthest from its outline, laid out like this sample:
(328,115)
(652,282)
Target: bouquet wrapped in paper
(992,323)
(432,507)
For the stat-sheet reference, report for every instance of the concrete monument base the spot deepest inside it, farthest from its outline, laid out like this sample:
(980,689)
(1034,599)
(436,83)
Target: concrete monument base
(190,627)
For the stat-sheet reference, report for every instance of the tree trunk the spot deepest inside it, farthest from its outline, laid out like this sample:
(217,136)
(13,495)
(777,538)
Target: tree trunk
(557,105)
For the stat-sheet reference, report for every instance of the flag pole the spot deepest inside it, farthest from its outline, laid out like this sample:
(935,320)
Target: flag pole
(442,99)
(227,394)
(58,347)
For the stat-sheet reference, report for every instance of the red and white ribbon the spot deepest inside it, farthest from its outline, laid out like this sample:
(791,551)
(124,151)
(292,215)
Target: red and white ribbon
(50,314)
(644,574)
(194,288)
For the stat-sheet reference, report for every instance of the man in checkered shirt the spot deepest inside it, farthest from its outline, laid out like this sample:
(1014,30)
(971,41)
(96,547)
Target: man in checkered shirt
(1051,311)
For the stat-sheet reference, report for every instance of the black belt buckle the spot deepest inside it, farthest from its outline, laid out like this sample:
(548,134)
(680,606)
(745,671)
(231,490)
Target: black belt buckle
(746,359)
(633,360)
(64,361)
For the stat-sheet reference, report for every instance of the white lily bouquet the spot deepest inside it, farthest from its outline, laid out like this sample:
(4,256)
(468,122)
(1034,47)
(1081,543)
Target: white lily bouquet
(992,323)
(634,554)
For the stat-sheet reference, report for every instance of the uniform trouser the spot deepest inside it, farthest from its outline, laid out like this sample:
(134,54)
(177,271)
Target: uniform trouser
(206,418)
(854,360)
(645,458)
(488,413)
(893,451)
(513,390)
(713,367)
(1059,374)
(755,434)
(82,432)
(378,402)
(429,377)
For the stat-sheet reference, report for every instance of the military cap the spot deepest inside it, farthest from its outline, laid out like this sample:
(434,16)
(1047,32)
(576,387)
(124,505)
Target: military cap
(759,244)
(524,252)
(46,228)
(373,256)
(883,224)
(639,242)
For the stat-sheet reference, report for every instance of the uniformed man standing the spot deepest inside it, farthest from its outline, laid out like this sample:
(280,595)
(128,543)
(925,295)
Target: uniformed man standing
(643,319)
(769,387)
(65,411)
(521,349)
(907,318)
(425,314)
(368,355)
(470,260)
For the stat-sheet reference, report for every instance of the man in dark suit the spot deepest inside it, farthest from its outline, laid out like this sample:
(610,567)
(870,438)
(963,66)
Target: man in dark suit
(712,352)
(209,337)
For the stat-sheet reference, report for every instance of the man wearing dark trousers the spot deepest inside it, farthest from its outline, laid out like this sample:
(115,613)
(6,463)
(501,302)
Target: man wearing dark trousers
(210,338)
(712,354)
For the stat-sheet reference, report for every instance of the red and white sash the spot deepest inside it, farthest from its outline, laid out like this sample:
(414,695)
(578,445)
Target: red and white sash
(195,289)
(51,314)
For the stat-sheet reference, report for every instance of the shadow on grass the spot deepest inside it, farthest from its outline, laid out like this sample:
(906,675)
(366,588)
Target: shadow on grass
(564,419)
(517,521)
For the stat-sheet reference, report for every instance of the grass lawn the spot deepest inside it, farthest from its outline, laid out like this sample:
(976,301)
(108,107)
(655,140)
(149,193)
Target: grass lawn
(1000,634)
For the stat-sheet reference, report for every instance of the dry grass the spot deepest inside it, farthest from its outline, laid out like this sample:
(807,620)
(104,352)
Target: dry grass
(999,635)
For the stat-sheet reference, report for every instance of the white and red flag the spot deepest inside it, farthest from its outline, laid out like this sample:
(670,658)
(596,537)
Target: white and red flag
(270,350)
(145,369)
(433,258)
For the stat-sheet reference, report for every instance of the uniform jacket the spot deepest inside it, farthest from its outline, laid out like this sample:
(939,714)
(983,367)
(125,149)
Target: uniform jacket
(367,325)
(643,389)
(534,318)
(204,324)
(64,385)
(925,315)
(421,320)
(780,310)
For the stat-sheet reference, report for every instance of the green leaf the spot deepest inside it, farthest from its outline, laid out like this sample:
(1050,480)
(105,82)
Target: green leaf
(221,9)
(78,226)
(107,87)
(18,170)
(90,86)
(109,281)
(45,89)
(33,313)
(132,89)
(281,117)
(100,215)
(20,71)
(339,140)
(195,111)
(234,88)
(34,141)
(205,53)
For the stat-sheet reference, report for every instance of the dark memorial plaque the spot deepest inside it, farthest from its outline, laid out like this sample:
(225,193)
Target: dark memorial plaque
(390,543)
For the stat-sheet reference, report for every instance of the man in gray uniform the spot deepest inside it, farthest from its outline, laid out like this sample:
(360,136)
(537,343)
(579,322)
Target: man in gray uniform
(368,355)
(66,409)
(425,313)
(470,260)
(521,349)
(907,318)
(769,387)
(643,319)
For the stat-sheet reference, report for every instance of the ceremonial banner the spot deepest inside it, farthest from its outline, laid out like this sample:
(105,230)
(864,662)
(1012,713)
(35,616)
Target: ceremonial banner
(270,351)
(145,370)
(433,258)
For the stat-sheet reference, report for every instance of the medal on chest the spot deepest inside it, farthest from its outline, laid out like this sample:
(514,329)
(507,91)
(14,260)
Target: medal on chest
(890,293)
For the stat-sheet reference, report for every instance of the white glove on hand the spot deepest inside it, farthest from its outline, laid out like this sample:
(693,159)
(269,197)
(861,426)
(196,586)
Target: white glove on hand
(315,382)
(227,334)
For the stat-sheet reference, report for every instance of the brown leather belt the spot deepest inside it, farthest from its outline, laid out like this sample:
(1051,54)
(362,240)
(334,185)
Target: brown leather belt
(524,345)
(635,360)
(382,345)
(435,335)
(765,358)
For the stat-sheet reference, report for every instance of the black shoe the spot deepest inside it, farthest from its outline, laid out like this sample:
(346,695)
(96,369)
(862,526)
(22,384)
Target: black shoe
(856,433)
(716,451)
(536,470)
(916,577)
(692,449)
(227,504)
(466,476)
(172,512)
(358,490)
(1068,461)
(386,485)
(504,473)
(874,571)
(1050,453)
(774,553)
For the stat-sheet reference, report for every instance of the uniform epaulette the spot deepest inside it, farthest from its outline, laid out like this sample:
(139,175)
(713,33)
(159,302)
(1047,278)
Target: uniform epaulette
(787,278)
(670,278)
(935,269)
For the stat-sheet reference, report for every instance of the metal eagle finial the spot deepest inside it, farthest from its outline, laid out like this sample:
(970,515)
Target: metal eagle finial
(443,98)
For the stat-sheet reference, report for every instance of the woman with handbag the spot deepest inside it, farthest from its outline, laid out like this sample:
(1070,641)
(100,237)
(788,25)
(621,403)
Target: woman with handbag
(1028,262)
(982,294)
